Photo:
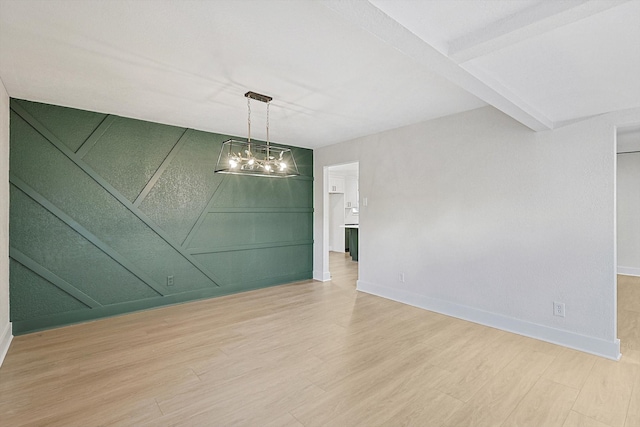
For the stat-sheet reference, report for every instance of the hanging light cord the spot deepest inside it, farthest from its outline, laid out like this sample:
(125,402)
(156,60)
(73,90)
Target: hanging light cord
(268,131)
(249,119)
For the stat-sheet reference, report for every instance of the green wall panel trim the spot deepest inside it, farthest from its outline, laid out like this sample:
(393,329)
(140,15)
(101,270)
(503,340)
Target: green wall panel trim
(252,228)
(260,210)
(21,327)
(71,190)
(70,125)
(95,136)
(158,173)
(254,192)
(268,245)
(86,234)
(33,297)
(186,186)
(246,266)
(203,214)
(304,160)
(53,244)
(130,152)
(141,192)
(110,189)
(59,282)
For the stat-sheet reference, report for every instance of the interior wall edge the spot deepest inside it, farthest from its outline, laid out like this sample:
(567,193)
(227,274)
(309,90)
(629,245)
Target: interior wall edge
(5,342)
(322,276)
(5,323)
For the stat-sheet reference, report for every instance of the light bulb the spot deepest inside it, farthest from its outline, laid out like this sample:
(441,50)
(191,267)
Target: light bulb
(232,163)
(267,168)
(250,162)
(283,166)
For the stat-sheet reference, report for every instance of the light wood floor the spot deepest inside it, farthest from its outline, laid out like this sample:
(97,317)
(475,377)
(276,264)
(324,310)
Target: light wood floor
(313,354)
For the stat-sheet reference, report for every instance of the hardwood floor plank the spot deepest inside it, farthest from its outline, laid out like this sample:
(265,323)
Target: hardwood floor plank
(406,400)
(358,387)
(629,329)
(313,354)
(473,371)
(494,402)
(570,368)
(546,404)
(287,420)
(607,391)
(628,295)
(629,313)
(576,419)
(633,413)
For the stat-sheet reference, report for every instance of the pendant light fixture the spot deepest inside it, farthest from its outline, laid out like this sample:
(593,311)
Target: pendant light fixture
(248,158)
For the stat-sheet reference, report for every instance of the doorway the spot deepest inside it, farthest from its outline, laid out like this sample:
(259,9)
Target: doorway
(628,236)
(343,219)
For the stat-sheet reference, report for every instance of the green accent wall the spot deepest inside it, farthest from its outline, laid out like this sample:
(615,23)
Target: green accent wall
(105,208)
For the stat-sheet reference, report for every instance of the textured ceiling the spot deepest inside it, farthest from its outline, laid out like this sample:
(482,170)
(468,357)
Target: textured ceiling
(337,69)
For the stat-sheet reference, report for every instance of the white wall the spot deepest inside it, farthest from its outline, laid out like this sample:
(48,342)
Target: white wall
(5,325)
(490,221)
(628,184)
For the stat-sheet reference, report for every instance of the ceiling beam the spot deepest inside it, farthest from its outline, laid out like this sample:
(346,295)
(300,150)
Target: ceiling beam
(531,22)
(370,18)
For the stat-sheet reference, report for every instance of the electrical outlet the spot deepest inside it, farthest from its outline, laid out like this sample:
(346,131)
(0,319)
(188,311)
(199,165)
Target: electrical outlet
(558,309)
(401,278)
(169,280)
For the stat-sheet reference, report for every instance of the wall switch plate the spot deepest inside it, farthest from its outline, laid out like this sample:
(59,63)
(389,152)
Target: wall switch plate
(558,309)
(364,201)
(169,280)
(401,278)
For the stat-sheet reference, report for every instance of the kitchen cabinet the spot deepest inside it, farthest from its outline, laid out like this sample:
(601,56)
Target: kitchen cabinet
(351,240)
(336,184)
(350,192)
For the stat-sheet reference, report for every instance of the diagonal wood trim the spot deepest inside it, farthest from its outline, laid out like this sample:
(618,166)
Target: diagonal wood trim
(165,163)
(16,108)
(260,210)
(95,136)
(108,250)
(203,214)
(53,278)
(268,245)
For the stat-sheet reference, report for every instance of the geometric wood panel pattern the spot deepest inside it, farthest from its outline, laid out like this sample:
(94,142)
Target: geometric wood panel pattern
(105,209)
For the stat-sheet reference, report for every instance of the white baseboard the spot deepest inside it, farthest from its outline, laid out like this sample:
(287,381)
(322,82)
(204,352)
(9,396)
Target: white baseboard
(629,271)
(5,342)
(599,347)
(322,276)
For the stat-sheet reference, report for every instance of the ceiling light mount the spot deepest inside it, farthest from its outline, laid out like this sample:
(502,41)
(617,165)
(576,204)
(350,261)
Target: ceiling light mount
(248,158)
(258,97)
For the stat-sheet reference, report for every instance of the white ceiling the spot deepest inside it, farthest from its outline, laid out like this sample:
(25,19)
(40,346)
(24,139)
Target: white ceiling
(337,69)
